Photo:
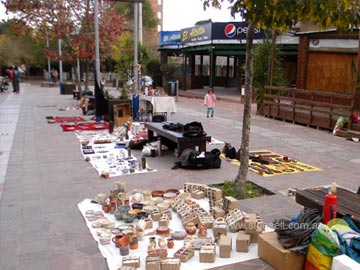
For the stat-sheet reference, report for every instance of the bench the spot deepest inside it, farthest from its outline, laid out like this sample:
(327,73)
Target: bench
(348,201)
(175,139)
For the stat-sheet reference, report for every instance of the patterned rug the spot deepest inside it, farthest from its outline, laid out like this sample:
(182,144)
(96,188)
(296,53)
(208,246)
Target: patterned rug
(268,163)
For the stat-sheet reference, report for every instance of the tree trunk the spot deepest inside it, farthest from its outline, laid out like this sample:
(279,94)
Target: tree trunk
(77,79)
(241,177)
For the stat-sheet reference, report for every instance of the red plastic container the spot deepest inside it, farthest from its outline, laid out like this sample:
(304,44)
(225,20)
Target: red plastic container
(330,207)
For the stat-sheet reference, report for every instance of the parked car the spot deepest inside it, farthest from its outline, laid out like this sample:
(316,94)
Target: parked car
(145,81)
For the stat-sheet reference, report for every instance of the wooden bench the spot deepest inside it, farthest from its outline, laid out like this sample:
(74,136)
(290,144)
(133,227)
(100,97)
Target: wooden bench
(348,201)
(176,138)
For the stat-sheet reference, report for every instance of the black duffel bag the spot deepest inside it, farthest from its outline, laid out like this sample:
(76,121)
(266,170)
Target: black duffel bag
(211,160)
(193,129)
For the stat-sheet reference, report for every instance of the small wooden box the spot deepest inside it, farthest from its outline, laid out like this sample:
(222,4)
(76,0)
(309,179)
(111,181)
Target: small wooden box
(170,264)
(184,254)
(160,252)
(216,212)
(128,268)
(225,245)
(230,203)
(252,223)
(219,227)
(242,242)
(197,194)
(152,263)
(207,253)
(133,261)
(207,221)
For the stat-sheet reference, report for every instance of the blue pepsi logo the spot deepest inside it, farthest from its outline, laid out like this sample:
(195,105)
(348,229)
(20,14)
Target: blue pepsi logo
(230,30)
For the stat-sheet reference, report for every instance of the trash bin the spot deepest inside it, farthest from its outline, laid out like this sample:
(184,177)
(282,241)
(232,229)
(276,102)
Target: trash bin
(173,88)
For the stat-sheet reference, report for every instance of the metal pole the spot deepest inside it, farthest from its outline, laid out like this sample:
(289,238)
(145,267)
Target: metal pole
(48,59)
(60,63)
(97,53)
(136,39)
(140,23)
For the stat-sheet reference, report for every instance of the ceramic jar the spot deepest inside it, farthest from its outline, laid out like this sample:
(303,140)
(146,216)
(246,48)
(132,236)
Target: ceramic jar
(118,215)
(152,243)
(190,228)
(202,231)
(170,242)
(162,242)
(106,208)
(128,218)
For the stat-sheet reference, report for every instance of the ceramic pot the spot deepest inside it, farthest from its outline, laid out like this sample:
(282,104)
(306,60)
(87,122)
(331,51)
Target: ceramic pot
(121,240)
(124,209)
(124,250)
(170,242)
(202,231)
(128,218)
(118,215)
(190,228)
(106,208)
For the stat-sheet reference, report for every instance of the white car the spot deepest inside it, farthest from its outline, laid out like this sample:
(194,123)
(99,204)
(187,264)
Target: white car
(145,81)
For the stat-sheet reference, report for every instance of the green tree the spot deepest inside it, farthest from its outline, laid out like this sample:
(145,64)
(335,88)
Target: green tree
(262,63)
(280,15)
(72,21)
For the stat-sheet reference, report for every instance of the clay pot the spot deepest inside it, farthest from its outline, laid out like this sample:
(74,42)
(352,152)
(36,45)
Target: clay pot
(121,240)
(170,242)
(202,231)
(190,228)
(128,218)
(118,215)
(106,208)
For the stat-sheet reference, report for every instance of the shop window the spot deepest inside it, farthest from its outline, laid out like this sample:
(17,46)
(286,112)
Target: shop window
(221,66)
(206,65)
(197,66)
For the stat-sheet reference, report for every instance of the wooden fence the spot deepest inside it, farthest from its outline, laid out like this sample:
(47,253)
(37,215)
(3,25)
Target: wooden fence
(311,108)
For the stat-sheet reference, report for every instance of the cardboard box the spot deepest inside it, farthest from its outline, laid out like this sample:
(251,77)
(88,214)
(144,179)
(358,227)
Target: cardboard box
(122,114)
(271,251)
(152,263)
(225,244)
(207,253)
(133,261)
(343,262)
(242,242)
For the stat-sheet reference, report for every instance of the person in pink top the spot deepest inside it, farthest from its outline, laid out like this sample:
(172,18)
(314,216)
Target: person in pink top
(209,102)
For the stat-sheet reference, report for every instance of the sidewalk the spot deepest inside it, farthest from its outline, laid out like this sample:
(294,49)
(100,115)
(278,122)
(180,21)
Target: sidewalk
(44,176)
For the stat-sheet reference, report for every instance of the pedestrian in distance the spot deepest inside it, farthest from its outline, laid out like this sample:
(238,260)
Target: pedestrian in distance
(11,77)
(16,82)
(209,102)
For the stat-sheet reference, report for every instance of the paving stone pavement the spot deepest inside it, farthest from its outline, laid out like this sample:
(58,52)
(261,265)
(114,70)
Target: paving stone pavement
(43,174)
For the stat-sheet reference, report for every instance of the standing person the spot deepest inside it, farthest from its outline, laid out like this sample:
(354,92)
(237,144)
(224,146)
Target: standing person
(209,102)
(55,75)
(11,77)
(16,82)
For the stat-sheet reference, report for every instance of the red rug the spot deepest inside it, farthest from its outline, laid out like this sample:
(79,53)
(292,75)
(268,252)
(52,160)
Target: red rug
(67,119)
(85,126)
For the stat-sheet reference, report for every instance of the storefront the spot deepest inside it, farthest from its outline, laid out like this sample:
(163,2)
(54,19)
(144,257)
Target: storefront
(213,54)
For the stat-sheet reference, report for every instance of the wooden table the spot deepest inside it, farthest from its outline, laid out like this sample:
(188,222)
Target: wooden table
(348,201)
(175,139)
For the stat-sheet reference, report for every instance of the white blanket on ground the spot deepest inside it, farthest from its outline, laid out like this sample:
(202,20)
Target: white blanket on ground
(114,259)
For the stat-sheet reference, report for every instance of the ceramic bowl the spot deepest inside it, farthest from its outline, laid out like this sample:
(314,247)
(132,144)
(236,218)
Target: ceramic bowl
(134,211)
(105,240)
(137,206)
(171,193)
(157,193)
(128,218)
(163,206)
(142,214)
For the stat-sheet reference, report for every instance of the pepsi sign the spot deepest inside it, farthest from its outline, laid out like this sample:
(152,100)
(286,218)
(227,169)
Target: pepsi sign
(234,30)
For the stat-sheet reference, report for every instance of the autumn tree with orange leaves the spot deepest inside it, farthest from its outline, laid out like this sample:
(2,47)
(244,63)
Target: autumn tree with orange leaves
(72,21)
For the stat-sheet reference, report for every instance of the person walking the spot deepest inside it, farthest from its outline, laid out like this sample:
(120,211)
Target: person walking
(209,102)
(16,81)
(11,77)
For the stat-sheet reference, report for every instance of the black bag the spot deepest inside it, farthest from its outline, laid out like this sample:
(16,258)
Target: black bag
(193,129)
(211,160)
(137,144)
(158,118)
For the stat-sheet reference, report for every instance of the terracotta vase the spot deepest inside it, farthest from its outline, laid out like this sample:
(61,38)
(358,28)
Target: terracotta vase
(106,208)
(190,228)
(202,231)
(170,242)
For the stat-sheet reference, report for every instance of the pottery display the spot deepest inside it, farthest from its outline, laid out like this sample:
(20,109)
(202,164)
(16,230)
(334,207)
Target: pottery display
(137,197)
(157,193)
(101,198)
